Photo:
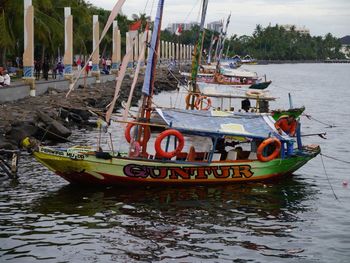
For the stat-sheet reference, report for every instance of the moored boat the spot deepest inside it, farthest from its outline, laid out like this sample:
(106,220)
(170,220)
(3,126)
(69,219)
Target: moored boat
(219,147)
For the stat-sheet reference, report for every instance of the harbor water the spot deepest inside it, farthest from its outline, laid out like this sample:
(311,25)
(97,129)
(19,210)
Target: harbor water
(292,219)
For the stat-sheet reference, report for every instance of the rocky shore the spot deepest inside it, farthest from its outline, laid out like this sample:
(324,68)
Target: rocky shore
(52,115)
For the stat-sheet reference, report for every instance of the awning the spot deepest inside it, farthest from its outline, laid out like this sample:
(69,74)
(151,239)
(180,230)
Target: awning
(220,123)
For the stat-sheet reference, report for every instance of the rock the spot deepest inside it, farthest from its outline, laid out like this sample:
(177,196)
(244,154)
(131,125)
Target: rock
(52,129)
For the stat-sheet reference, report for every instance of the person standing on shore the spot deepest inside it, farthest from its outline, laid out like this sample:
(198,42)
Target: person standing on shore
(79,64)
(108,64)
(46,68)
(37,69)
(60,69)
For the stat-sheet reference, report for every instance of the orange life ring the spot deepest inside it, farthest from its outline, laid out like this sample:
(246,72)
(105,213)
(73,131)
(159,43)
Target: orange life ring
(188,99)
(264,144)
(146,134)
(219,78)
(199,100)
(159,139)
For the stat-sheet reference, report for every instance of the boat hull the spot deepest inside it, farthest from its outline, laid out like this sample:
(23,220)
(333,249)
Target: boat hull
(86,168)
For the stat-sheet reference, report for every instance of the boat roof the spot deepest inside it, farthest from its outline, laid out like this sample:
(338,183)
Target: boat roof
(220,123)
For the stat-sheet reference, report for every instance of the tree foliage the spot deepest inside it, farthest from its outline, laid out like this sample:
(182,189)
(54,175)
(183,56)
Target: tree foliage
(270,43)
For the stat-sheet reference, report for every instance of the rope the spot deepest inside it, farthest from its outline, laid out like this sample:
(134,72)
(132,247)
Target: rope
(312,118)
(191,11)
(329,182)
(333,158)
(47,131)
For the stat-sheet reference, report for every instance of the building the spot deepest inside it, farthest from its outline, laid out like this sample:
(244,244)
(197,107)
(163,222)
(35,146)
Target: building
(215,26)
(345,46)
(302,30)
(185,26)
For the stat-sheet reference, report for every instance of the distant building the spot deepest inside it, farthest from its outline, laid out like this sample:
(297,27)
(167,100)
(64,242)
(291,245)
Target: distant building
(215,26)
(345,46)
(185,26)
(302,30)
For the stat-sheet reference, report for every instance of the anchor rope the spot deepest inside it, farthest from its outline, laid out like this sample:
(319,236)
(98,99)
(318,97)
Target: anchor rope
(329,182)
(312,118)
(330,157)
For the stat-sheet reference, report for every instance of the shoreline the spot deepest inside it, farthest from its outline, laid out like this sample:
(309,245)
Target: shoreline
(330,61)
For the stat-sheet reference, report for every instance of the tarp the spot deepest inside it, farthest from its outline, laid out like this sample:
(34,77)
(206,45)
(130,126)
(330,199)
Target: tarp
(219,123)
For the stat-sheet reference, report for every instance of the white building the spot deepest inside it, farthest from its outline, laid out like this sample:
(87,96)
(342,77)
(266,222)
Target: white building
(302,30)
(215,26)
(185,26)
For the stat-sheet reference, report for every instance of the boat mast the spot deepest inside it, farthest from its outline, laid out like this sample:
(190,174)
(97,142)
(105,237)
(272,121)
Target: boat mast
(197,52)
(148,84)
(222,43)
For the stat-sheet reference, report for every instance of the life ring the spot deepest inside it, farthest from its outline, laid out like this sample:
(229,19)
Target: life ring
(263,145)
(219,78)
(159,139)
(199,101)
(255,93)
(135,149)
(188,99)
(146,133)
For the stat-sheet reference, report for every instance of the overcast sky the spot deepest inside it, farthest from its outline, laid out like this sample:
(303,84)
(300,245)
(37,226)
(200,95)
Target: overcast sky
(320,16)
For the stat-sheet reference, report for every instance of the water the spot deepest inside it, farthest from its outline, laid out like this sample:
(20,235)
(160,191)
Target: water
(294,219)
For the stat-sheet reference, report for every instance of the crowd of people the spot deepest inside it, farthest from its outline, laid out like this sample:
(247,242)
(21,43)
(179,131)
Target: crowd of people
(43,69)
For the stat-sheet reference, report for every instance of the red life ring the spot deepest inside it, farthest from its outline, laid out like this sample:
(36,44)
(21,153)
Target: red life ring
(159,139)
(199,101)
(146,133)
(264,144)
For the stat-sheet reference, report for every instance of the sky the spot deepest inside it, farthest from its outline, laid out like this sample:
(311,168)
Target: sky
(320,16)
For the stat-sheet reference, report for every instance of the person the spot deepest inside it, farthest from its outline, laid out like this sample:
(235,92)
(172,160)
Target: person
(287,124)
(108,64)
(7,79)
(46,68)
(37,69)
(79,64)
(1,77)
(54,71)
(90,65)
(245,105)
(60,68)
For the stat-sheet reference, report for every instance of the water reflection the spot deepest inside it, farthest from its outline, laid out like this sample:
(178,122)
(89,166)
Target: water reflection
(185,223)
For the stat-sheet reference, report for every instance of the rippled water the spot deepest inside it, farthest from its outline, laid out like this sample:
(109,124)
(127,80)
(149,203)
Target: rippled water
(294,219)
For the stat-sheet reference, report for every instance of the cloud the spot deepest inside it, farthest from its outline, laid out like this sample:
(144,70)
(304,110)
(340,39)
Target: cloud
(320,16)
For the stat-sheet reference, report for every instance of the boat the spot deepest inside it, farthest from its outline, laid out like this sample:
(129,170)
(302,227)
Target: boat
(181,147)
(196,158)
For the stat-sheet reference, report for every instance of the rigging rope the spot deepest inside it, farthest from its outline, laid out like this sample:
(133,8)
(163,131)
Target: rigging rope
(329,182)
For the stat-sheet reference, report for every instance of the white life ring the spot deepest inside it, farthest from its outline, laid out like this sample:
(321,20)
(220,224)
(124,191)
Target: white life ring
(255,93)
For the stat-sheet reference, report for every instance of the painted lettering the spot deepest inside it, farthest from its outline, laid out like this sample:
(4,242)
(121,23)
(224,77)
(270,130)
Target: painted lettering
(195,172)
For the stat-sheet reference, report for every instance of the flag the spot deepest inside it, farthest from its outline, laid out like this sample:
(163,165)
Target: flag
(178,31)
(135,26)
